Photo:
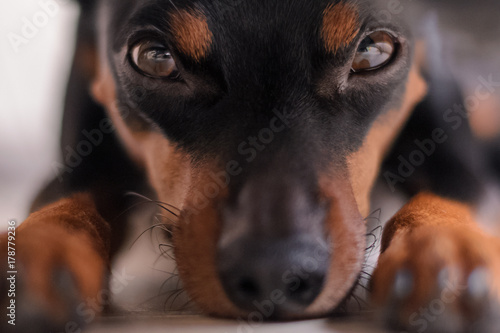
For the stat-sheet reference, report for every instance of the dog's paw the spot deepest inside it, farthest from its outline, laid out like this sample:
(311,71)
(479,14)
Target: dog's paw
(439,279)
(47,275)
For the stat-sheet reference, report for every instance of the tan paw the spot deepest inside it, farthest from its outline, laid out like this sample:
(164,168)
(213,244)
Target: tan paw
(439,279)
(57,268)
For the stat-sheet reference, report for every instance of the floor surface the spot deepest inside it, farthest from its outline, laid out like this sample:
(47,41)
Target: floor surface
(191,324)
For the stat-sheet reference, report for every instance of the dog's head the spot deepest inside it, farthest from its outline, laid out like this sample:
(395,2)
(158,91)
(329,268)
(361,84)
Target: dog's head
(265,123)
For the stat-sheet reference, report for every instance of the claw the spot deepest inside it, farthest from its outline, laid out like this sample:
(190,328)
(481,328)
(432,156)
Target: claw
(401,289)
(442,313)
(403,284)
(443,278)
(34,315)
(483,307)
(477,285)
(66,286)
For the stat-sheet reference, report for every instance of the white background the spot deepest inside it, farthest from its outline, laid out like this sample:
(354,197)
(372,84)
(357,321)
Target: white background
(32,83)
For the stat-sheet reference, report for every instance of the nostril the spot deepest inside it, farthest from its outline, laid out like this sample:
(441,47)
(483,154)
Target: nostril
(299,288)
(248,288)
(305,290)
(254,272)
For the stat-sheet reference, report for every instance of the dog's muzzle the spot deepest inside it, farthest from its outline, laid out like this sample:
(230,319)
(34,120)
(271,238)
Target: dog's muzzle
(273,245)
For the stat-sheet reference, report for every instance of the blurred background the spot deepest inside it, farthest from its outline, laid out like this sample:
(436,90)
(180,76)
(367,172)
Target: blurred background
(34,66)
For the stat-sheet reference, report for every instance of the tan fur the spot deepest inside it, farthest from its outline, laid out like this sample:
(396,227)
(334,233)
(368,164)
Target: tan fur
(364,164)
(484,119)
(191,33)
(426,210)
(195,243)
(71,234)
(347,231)
(167,169)
(427,235)
(340,26)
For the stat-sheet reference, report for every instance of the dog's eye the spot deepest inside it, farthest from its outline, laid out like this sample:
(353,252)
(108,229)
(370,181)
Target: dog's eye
(154,59)
(375,51)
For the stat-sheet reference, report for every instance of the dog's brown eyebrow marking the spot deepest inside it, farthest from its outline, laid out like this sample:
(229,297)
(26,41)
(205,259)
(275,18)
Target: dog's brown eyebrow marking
(340,25)
(191,33)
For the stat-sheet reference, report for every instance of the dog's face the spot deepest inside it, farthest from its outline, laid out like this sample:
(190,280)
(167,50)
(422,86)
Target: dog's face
(265,123)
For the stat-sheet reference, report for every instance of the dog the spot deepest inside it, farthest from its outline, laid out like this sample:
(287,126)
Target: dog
(260,129)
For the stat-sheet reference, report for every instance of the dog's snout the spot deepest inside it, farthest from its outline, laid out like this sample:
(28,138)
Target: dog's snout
(272,247)
(285,275)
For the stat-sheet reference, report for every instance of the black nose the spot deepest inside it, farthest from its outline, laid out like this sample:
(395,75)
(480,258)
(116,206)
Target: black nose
(278,278)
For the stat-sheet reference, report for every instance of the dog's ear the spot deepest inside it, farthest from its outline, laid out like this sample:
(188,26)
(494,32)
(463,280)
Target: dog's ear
(85,58)
(87,69)
(435,147)
(83,115)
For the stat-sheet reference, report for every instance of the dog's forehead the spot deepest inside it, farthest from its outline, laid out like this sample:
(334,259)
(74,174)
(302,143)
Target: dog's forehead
(250,56)
(196,25)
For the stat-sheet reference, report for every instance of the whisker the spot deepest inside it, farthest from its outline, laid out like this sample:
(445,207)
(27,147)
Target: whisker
(177,296)
(154,298)
(377,213)
(186,305)
(366,275)
(178,284)
(151,200)
(365,279)
(165,228)
(163,271)
(358,301)
(165,252)
(167,281)
(172,275)
(162,221)
(174,293)
(157,238)
(373,237)
(148,201)
(362,287)
(160,225)
(157,218)
(160,204)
